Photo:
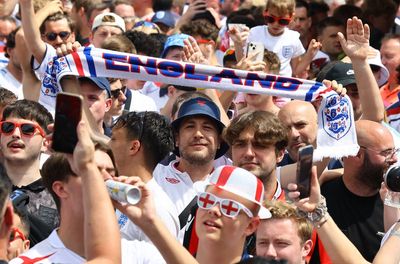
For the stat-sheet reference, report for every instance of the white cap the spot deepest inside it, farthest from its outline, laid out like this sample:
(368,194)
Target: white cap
(237,181)
(116,21)
(374,58)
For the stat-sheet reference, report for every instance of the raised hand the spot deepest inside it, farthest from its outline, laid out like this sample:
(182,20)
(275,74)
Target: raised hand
(192,52)
(313,48)
(67,48)
(338,88)
(248,64)
(195,7)
(307,204)
(357,44)
(239,35)
(142,212)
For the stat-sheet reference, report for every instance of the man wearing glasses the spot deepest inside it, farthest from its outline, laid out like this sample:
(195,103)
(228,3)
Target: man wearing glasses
(353,200)
(22,141)
(56,30)
(118,98)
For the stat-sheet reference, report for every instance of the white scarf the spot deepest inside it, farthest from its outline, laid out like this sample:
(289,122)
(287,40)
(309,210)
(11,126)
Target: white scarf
(336,132)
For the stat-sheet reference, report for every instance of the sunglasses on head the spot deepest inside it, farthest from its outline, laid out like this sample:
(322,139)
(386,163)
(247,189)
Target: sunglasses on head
(281,21)
(63,35)
(115,93)
(27,129)
(228,207)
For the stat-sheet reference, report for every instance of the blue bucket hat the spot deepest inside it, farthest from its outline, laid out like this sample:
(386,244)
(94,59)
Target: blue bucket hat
(201,106)
(174,41)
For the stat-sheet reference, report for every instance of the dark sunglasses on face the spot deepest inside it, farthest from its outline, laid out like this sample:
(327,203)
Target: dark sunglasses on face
(63,35)
(281,21)
(27,129)
(115,93)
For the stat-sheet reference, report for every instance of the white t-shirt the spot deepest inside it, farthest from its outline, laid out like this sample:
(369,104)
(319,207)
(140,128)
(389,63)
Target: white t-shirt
(8,81)
(141,102)
(52,250)
(49,88)
(286,46)
(165,210)
(178,185)
(152,90)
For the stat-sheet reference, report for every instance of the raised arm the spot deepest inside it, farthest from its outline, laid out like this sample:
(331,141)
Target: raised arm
(31,24)
(30,83)
(336,244)
(357,47)
(102,238)
(301,63)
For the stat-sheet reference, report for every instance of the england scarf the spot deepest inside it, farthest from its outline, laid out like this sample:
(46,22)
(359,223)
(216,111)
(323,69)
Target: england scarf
(336,133)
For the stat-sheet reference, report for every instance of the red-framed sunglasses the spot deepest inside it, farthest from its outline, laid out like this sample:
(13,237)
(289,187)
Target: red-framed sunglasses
(27,129)
(16,233)
(269,19)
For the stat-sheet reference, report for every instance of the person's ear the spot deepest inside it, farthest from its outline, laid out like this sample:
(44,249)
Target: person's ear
(108,104)
(212,43)
(45,145)
(26,244)
(171,91)
(280,155)
(134,147)
(306,248)
(252,227)
(59,189)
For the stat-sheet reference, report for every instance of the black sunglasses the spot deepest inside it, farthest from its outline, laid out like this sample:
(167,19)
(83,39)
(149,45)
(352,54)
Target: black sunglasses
(63,35)
(115,93)
(139,117)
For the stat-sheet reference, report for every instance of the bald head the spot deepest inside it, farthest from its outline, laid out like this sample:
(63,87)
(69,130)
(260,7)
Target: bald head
(372,134)
(301,119)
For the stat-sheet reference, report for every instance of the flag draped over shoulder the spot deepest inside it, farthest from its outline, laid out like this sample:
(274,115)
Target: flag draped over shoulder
(335,116)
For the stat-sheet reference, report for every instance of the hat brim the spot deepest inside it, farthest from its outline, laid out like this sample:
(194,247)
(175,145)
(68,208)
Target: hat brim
(346,81)
(200,186)
(384,76)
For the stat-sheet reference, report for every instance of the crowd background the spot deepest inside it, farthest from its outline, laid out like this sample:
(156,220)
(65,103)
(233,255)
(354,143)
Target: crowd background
(217,169)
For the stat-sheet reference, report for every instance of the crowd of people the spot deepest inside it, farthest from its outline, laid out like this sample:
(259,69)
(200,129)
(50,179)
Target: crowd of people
(217,168)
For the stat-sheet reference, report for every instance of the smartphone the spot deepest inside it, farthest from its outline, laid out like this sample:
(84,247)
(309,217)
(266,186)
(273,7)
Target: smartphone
(255,50)
(303,175)
(68,115)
